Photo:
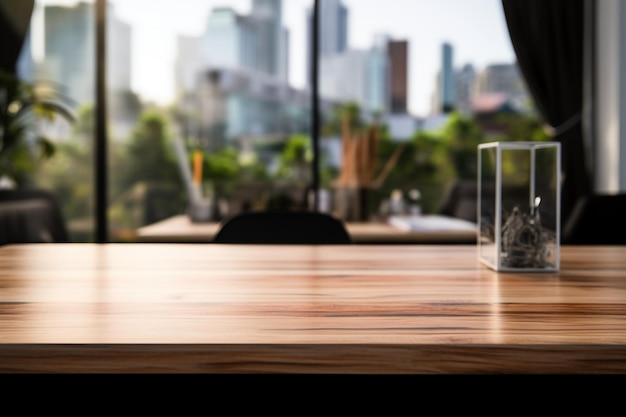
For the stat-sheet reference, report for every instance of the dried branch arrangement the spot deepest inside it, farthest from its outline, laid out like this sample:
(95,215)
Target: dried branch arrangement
(359,151)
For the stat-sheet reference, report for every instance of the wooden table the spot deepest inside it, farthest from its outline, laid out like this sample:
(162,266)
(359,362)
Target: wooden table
(179,229)
(306,309)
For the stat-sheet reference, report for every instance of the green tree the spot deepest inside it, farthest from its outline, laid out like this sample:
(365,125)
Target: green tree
(295,159)
(222,170)
(527,128)
(463,135)
(149,186)
(423,165)
(150,152)
(523,127)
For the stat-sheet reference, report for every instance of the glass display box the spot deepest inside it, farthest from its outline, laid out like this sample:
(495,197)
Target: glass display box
(519,205)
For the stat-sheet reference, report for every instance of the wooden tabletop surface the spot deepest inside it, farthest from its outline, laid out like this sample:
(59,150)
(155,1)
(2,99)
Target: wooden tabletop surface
(306,309)
(180,229)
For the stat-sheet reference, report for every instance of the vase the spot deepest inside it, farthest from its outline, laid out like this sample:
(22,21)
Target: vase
(352,203)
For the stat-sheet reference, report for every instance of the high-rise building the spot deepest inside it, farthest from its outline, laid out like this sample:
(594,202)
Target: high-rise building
(504,79)
(333,27)
(256,42)
(333,31)
(272,36)
(188,64)
(358,76)
(464,84)
(378,83)
(69,56)
(69,50)
(344,77)
(398,75)
(447,98)
(235,106)
(119,54)
(376,78)
(228,41)
(234,79)
(499,78)
(435,96)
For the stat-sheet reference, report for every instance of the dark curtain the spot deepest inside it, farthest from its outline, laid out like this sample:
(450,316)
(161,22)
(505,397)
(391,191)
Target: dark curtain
(548,39)
(14,22)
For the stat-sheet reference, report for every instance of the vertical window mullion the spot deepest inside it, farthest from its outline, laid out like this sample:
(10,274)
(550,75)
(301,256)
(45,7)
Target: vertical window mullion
(315,104)
(100,148)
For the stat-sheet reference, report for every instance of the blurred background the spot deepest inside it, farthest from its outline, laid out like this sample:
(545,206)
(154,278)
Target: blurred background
(408,89)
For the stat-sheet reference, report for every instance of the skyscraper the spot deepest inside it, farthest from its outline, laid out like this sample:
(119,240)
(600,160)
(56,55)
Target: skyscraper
(256,42)
(188,65)
(228,41)
(69,50)
(504,79)
(464,83)
(447,99)
(359,76)
(500,78)
(378,76)
(333,27)
(333,31)
(344,77)
(398,75)
(272,36)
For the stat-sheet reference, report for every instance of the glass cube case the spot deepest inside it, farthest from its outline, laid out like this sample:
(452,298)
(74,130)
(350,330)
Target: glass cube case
(519,192)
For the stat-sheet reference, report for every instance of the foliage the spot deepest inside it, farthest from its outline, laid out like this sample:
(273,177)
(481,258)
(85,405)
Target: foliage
(85,124)
(70,176)
(520,127)
(222,170)
(150,154)
(252,169)
(463,135)
(295,159)
(432,160)
(23,108)
(333,126)
(222,164)
(422,165)
(147,181)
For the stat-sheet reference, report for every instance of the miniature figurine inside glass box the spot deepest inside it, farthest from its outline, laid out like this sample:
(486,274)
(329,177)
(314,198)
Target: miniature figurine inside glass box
(519,205)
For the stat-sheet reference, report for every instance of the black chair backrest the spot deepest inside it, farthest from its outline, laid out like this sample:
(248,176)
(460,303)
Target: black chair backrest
(31,216)
(597,220)
(282,227)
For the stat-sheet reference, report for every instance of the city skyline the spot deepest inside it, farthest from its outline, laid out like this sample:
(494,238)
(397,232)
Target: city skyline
(468,28)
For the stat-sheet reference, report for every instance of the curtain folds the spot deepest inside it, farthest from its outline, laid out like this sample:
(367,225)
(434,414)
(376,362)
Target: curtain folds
(548,39)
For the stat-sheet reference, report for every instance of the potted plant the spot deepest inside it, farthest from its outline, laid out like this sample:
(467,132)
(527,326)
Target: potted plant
(23,108)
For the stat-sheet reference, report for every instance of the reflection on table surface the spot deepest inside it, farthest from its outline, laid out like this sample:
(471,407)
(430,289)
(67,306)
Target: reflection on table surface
(400,229)
(306,309)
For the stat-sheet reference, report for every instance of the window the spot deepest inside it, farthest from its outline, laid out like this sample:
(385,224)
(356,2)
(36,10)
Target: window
(210,107)
(59,52)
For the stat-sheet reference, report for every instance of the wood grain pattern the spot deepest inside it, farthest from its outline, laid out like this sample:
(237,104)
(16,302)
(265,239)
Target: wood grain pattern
(312,309)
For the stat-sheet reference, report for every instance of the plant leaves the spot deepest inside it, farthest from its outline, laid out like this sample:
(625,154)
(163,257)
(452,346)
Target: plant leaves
(46,147)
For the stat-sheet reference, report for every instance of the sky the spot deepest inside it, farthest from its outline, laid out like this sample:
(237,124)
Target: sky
(475,28)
